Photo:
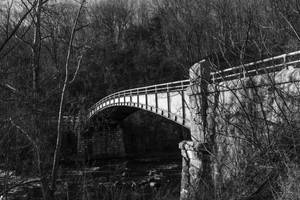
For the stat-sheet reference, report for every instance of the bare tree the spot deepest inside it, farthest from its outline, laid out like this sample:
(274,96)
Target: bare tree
(65,85)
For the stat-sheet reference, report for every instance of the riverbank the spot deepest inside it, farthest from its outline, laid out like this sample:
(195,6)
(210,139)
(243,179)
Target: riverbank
(146,178)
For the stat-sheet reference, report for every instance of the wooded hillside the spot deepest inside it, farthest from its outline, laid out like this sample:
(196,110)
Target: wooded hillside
(59,58)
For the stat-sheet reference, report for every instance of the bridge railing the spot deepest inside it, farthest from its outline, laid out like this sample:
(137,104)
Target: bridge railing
(172,86)
(153,89)
(263,66)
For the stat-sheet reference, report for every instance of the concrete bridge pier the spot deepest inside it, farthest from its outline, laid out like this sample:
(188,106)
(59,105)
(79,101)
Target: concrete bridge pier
(196,181)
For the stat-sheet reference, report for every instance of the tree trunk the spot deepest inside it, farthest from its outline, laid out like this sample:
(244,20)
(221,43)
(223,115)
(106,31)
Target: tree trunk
(66,82)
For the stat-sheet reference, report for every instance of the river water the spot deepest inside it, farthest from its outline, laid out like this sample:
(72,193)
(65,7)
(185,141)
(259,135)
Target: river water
(112,179)
(141,178)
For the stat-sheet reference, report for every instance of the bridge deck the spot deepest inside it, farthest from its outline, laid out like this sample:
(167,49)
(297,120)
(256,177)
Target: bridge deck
(170,100)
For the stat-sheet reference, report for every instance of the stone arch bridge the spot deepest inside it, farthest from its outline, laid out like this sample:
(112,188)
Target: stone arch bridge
(179,101)
(172,100)
(192,104)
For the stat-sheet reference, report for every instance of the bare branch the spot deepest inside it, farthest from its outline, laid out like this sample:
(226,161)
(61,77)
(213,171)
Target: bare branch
(17,27)
(77,69)
(24,133)
(291,26)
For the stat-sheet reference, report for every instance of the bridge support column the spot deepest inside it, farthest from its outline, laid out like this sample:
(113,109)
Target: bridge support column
(196,182)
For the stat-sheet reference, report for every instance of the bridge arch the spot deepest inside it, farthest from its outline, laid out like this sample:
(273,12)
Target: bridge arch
(119,131)
(262,74)
(120,112)
(169,100)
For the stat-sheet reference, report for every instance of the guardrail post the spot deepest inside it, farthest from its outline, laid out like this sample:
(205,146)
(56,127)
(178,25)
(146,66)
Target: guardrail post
(284,60)
(146,98)
(130,97)
(138,98)
(156,100)
(168,101)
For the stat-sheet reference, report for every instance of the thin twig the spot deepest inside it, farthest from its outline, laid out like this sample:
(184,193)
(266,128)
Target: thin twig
(22,183)
(77,69)
(17,26)
(291,25)
(24,133)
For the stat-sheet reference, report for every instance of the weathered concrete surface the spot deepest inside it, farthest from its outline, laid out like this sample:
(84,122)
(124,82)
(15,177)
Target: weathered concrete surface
(252,114)
(196,174)
(196,182)
(237,118)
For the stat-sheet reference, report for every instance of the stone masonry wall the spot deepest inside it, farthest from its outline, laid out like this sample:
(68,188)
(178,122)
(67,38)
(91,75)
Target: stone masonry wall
(108,142)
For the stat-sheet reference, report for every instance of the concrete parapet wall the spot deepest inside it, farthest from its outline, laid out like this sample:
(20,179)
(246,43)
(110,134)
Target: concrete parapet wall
(240,123)
(243,123)
(252,112)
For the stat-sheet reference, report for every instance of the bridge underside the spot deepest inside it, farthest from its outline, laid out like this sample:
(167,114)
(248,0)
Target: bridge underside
(119,131)
(117,113)
(120,111)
